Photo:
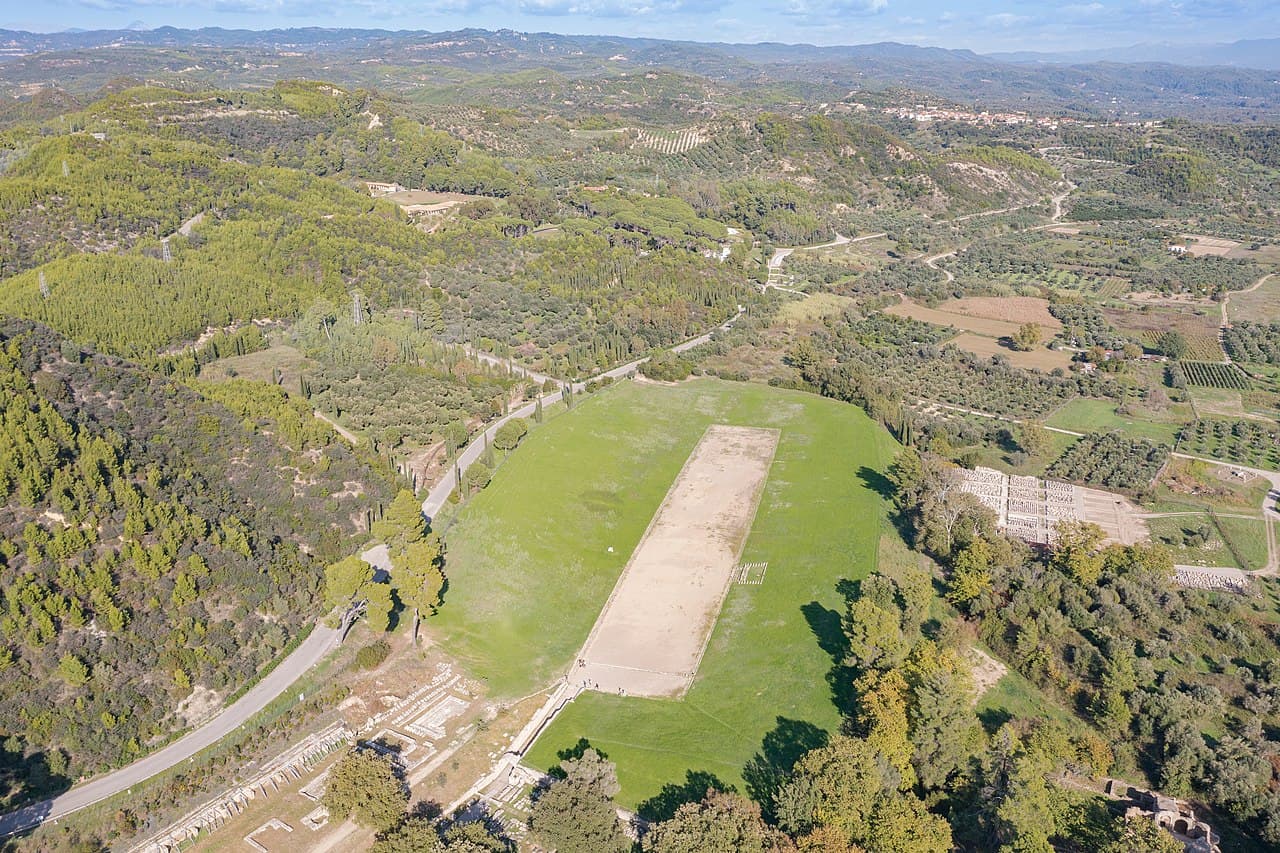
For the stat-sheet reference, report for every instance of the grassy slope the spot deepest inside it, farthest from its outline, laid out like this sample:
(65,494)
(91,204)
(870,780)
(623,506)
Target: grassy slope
(530,570)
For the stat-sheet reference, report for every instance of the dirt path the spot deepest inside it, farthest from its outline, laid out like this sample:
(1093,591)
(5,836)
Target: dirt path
(1226,300)
(932,263)
(338,428)
(650,635)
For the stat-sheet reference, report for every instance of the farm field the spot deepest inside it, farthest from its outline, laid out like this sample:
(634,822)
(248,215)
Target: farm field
(979,325)
(1190,485)
(1248,540)
(1083,415)
(980,334)
(260,366)
(1258,306)
(1009,309)
(1038,359)
(1199,326)
(813,307)
(1245,442)
(529,575)
(1201,245)
(1223,402)
(1212,374)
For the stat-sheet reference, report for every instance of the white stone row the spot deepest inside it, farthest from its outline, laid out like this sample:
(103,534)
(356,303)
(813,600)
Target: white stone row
(232,802)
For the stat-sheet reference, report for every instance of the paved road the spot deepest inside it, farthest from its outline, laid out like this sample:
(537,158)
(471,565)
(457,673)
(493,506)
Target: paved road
(320,642)
(516,368)
(439,493)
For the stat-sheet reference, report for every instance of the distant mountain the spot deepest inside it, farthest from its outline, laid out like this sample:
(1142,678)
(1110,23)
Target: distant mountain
(1147,87)
(1251,53)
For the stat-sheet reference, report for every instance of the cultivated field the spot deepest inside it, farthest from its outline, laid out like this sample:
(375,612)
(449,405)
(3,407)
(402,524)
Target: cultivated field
(982,331)
(261,366)
(530,569)
(813,307)
(1199,327)
(1084,415)
(650,636)
(1202,244)
(1010,309)
(979,325)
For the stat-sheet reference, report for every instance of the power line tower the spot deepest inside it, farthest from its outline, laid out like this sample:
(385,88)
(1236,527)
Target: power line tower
(44,286)
(164,251)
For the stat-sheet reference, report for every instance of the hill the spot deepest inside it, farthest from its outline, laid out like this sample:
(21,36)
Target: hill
(213,56)
(159,544)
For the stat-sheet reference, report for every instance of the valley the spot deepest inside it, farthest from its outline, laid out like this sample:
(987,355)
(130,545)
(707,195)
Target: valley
(490,443)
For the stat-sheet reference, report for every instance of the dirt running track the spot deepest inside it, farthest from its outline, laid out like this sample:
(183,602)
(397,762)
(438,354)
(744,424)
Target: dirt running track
(649,638)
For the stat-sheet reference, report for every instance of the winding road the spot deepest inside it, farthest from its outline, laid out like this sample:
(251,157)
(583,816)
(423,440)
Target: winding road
(319,643)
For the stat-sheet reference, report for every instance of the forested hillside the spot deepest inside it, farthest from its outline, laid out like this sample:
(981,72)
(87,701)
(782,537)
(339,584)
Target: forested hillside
(155,539)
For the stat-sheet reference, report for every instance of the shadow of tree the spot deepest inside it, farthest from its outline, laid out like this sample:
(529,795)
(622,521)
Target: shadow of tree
(663,805)
(779,752)
(993,718)
(828,627)
(877,482)
(572,753)
(27,782)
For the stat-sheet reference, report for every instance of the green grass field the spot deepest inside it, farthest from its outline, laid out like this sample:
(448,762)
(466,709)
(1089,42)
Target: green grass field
(1084,415)
(529,570)
(1237,542)
(1248,539)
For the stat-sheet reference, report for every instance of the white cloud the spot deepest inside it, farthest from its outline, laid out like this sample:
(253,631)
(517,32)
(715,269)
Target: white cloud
(1083,9)
(1007,19)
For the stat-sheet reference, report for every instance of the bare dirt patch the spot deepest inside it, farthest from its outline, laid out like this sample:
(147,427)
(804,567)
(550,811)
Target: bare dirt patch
(1011,309)
(202,705)
(978,325)
(415,197)
(650,635)
(986,671)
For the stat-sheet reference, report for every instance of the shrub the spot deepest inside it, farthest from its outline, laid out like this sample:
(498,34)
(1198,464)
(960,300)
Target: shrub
(372,655)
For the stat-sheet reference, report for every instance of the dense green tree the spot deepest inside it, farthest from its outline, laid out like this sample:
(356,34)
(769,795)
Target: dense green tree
(1077,550)
(366,786)
(418,576)
(1027,337)
(970,573)
(576,814)
(411,835)
(720,821)
(346,580)
(509,434)
(1034,439)
(834,786)
(944,728)
(903,823)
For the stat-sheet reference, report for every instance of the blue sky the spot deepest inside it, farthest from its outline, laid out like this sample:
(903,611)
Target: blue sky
(979,24)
